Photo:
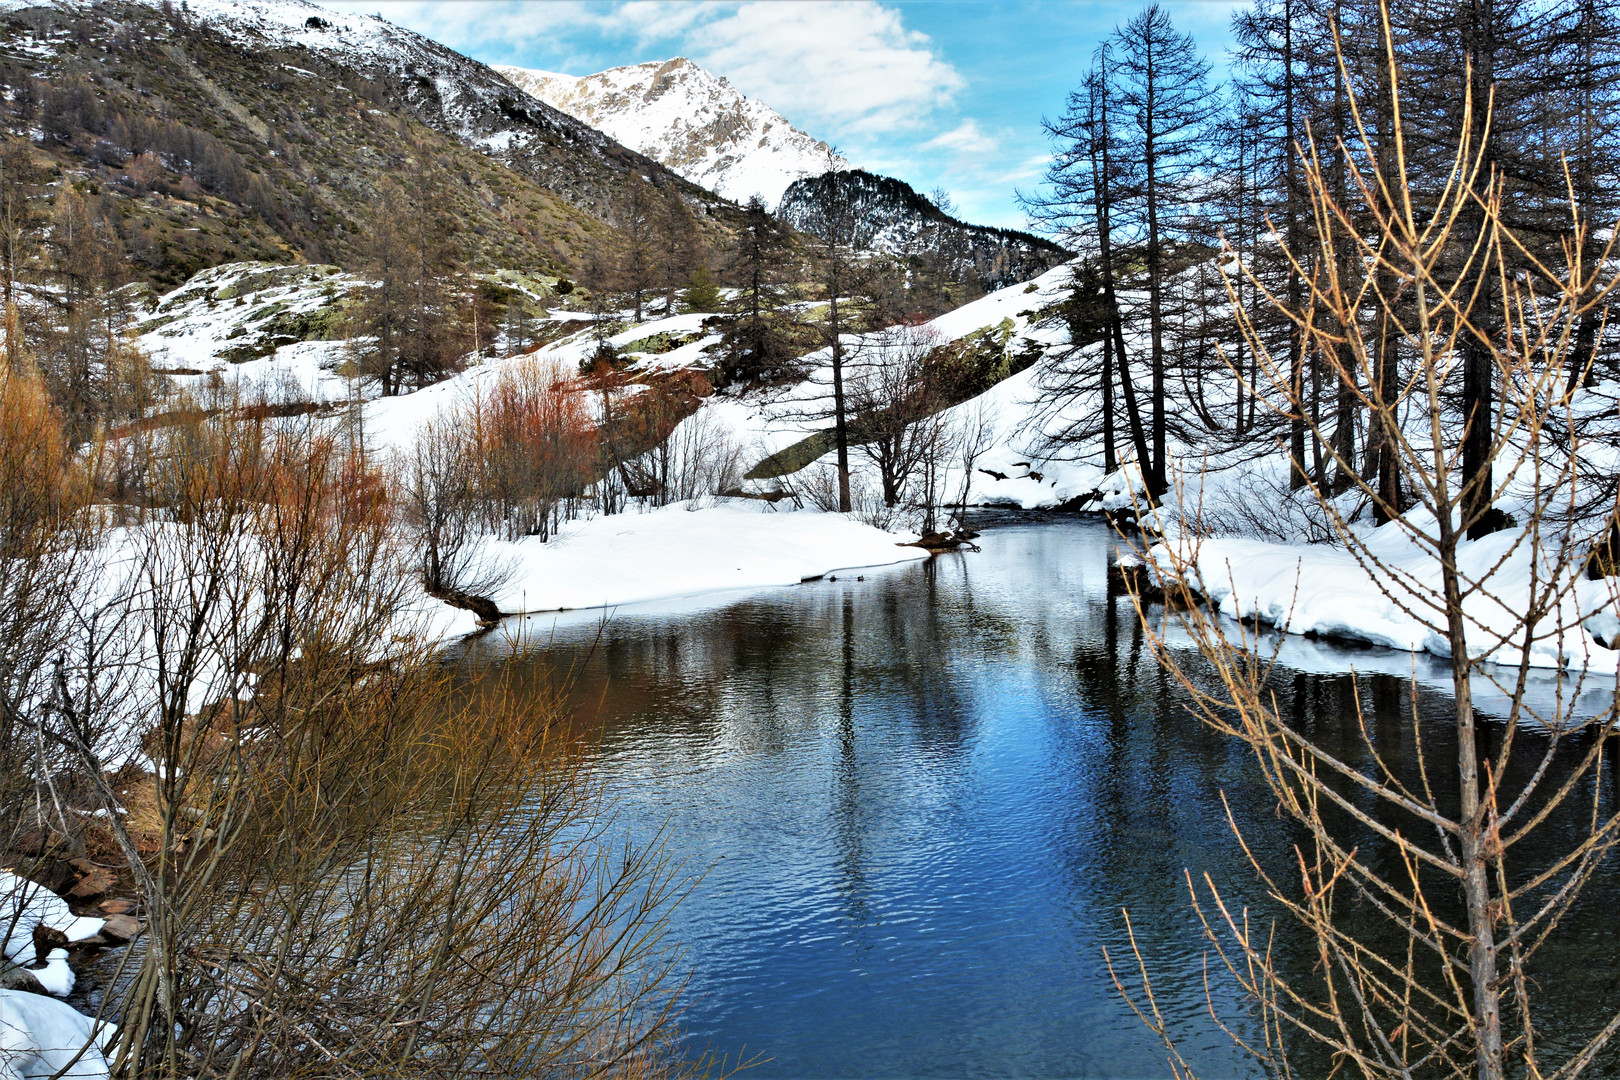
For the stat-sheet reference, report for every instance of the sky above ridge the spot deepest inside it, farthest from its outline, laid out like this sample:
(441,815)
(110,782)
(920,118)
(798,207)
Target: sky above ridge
(940,93)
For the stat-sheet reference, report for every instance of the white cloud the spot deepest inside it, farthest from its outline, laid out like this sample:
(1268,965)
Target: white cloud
(847,64)
(1031,168)
(966,139)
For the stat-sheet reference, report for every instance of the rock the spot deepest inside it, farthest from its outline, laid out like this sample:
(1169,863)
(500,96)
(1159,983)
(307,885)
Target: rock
(13,977)
(121,928)
(116,907)
(47,939)
(94,943)
(41,840)
(94,883)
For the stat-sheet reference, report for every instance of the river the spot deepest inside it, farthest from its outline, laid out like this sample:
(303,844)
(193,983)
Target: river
(916,801)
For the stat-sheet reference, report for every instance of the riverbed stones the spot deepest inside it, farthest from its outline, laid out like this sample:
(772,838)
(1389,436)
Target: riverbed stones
(13,977)
(121,928)
(95,882)
(117,906)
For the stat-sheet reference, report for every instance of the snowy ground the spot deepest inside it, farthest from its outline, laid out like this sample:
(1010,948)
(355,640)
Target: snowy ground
(684,550)
(1254,559)
(25,906)
(206,332)
(44,1038)
(1391,596)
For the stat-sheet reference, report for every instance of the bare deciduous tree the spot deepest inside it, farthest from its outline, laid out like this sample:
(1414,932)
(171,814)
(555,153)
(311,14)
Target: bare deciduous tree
(1436,972)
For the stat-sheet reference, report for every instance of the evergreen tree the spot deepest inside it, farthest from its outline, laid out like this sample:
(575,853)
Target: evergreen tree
(758,344)
(409,329)
(677,246)
(637,267)
(701,293)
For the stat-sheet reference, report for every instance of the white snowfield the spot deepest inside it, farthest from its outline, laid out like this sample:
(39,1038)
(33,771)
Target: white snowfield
(188,335)
(24,906)
(44,1038)
(1392,596)
(685,550)
(1019,427)
(689,121)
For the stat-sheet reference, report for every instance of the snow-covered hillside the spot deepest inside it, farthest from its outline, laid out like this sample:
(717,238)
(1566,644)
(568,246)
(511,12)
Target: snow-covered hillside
(689,120)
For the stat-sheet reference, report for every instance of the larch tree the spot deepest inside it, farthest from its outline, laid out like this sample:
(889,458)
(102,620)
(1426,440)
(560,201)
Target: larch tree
(1166,104)
(21,184)
(837,266)
(1086,181)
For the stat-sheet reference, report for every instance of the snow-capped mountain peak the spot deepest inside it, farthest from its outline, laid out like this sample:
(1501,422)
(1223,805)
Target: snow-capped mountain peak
(691,121)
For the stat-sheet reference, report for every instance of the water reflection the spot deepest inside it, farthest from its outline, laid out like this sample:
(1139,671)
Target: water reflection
(921,801)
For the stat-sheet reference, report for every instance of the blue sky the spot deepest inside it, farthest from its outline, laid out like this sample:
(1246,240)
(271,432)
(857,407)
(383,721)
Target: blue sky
(943,93)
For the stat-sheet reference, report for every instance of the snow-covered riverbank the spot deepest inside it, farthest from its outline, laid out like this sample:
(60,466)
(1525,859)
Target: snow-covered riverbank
(1389,592)
(685,549)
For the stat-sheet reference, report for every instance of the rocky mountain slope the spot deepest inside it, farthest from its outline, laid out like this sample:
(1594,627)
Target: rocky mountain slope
(880,213)
(690,120)
(278,130)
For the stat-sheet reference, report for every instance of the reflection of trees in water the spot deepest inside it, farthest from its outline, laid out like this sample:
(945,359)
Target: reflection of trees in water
(891,680)
(1152,780)
(848,824)
(912,648)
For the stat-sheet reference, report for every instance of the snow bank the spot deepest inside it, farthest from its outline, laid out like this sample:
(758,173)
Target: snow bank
(44,1038)
(683,550)
(1392,597)
(25,905)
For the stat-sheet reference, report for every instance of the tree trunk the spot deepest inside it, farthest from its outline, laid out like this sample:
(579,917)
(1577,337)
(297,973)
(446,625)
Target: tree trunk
(840,429)
(1381,430)
(1478,361)
(1155,470)
(1296,342)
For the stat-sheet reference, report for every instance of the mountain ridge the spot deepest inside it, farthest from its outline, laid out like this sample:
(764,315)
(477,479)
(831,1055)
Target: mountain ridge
(691,121)
(214,132)
(887,215)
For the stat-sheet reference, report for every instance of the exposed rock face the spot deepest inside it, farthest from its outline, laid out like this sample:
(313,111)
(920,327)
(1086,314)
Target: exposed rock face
(691,121)
(885,215)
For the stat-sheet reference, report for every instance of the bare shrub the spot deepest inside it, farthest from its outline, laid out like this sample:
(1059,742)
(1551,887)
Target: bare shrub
(533,445)
(698,459)
(895,392)
(46,536)
(351,858)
